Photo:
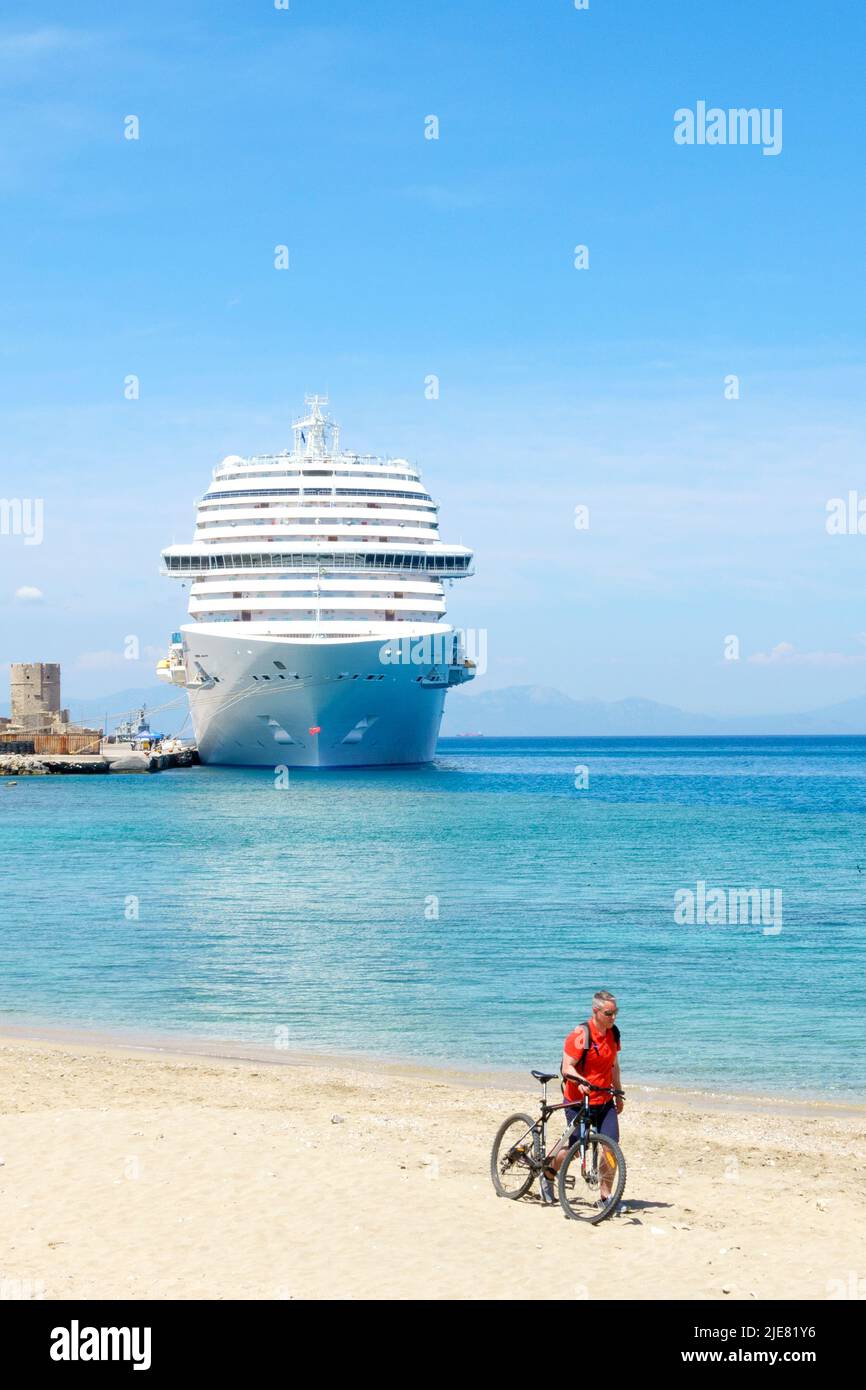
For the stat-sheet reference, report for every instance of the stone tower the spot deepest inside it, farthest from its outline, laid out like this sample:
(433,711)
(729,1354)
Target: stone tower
(36,695)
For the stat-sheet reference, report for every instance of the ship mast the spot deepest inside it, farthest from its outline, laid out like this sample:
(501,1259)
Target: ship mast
(312,433)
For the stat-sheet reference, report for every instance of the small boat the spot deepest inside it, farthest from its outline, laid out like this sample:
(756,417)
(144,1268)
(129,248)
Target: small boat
(136,731)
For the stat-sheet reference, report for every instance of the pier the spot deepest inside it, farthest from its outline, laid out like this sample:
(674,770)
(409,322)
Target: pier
(115,759)
(121,759)
(38,740)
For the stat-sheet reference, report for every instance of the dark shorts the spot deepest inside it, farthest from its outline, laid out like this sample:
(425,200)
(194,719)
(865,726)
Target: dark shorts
(604,1119)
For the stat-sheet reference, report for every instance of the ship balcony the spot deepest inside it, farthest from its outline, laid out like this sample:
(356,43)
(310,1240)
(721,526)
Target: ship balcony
(172,669)
(459,672)
(444,676)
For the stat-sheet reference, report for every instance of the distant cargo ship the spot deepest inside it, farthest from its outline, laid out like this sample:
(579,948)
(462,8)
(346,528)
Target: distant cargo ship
(317,633)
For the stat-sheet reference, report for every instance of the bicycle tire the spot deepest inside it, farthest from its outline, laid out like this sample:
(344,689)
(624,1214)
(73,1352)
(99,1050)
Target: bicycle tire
(496,1174)
(583,1210)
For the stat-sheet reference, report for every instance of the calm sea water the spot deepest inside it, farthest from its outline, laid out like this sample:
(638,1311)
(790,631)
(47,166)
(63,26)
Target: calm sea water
(463,912)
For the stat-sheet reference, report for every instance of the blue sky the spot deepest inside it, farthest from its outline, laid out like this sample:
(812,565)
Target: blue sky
(452,257)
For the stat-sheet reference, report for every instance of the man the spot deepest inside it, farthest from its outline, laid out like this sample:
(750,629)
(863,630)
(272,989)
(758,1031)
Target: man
(600,1067)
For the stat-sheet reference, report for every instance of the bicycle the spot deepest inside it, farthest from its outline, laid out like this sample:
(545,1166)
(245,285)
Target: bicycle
(594,1160)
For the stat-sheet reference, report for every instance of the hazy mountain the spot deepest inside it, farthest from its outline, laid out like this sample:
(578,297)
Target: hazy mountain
(520,710)
(849,717)
(124,702)
(92,711)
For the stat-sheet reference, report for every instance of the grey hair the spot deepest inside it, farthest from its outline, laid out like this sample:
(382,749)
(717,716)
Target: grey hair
(600,997)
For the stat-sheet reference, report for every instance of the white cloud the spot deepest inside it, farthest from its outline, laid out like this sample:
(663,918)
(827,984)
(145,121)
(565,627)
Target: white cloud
(786,654)
(114,660)
(35,41)
(27,594)
(445,199)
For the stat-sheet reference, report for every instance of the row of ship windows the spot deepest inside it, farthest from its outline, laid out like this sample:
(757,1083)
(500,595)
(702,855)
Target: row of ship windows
(187,564)
(317,536)
(317,513)
(318,492)
(342,676)
(309,615)
(309,473)
(302,516)
(276,576)
(361,600)
(274,520)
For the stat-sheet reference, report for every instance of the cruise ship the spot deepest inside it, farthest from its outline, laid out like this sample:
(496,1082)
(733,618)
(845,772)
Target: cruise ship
(316,633)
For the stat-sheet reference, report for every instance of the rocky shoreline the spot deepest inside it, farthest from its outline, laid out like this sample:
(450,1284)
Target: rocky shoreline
(33,765)
(46,765)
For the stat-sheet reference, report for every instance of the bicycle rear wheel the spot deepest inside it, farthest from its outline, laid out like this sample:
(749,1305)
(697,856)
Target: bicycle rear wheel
(516,1150)
(591,1186)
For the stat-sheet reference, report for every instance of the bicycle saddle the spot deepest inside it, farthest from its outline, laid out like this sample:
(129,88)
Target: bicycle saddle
(544,1075)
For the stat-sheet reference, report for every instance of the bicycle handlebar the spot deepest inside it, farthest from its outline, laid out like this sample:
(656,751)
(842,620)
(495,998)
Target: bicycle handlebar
(608,1090)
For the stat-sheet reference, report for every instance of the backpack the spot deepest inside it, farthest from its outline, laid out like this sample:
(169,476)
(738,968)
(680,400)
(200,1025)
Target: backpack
(581,1061)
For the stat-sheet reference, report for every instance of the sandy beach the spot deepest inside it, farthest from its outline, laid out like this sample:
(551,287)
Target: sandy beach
(129,1173)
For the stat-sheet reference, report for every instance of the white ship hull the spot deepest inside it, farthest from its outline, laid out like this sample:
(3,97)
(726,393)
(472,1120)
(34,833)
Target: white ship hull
(247,710)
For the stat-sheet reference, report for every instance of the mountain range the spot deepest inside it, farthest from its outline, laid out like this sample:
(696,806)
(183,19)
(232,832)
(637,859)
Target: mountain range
(517,711)
(520,710)
(166,708)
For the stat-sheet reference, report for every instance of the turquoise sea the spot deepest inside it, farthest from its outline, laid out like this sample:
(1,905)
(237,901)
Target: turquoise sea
(460,913)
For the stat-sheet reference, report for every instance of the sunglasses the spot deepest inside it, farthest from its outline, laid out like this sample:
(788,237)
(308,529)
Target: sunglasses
(609,1013)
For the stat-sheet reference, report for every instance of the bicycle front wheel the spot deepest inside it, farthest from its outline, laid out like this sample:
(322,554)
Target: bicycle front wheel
(516,1151)
(591,1183)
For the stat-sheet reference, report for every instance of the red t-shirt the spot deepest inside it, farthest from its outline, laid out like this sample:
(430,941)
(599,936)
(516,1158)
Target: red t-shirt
(598,1067)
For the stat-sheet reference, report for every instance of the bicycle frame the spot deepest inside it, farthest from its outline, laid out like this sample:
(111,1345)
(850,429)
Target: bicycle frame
(577,1123)
(581,1122)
